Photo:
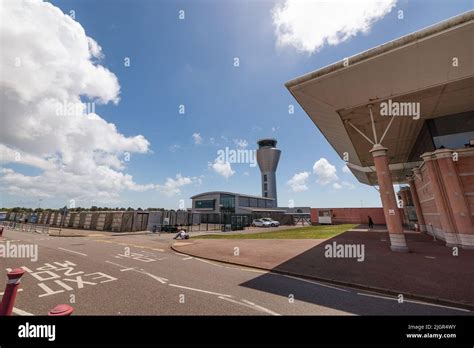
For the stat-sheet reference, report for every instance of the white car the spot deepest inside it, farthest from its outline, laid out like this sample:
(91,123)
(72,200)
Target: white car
(272,222)
(260,223)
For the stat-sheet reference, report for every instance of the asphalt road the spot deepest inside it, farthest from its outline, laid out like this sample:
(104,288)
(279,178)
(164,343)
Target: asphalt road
(140,274)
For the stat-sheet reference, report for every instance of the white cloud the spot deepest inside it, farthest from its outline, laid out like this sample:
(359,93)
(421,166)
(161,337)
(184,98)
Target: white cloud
(172,186)
(241,143)
(345,169)
(308,25)
(222,168)
(343,184)
(174,147)
(197,138)
(325,171)
(49,61)
(348,185)
(298,182)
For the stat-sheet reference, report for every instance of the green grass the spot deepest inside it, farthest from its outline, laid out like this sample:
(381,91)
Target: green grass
(310,232)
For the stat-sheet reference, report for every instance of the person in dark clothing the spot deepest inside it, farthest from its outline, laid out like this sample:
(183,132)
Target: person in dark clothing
(371,223)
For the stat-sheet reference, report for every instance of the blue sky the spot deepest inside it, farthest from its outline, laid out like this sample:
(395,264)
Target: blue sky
(191,62)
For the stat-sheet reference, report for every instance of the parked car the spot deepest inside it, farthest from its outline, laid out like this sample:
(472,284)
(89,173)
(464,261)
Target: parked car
(260,223)
(272,222)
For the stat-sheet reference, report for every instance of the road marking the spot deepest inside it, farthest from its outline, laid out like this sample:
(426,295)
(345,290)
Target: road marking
(260,307)
(249,304)
(21,312)
(187,258)
(72,251)
(125,268)
(199,290)
(413,301)
(209,262)
(311,282)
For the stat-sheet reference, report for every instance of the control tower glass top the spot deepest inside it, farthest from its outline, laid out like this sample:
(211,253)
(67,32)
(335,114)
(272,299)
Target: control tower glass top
(267,143)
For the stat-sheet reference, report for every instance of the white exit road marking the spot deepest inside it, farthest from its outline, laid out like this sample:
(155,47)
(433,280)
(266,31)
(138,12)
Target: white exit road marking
(72,251)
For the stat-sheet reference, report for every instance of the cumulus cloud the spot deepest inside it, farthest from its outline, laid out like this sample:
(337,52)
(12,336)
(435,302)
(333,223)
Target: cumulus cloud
(222,168)
(308,25)
(343,184)
(325,171)
(197,138)
(48,67)
(172,186)
(298,182)
(337,186)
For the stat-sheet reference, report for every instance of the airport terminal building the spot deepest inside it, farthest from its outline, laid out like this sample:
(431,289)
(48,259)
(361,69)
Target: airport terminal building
(403,113)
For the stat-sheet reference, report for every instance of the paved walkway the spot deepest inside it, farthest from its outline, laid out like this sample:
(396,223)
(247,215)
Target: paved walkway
(429,271)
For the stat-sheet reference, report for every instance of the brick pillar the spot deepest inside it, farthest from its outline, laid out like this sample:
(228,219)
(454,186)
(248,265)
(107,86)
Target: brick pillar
(389,201)
(442,206)
(457,201)
(416,203)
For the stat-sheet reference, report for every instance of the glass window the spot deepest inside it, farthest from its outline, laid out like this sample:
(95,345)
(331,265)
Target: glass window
(265,186)
(264,177)
(244,201)
(269,204)
(261,203)
(227,201)
(254,202)
(204,204)
(265,194)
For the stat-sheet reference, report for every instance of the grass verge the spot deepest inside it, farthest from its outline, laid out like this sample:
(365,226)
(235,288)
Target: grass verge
(310,232)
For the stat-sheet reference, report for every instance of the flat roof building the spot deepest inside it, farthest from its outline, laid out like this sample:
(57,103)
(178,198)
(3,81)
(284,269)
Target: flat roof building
(403,112)
(217,202)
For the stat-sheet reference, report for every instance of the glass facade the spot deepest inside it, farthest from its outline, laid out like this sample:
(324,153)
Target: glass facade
(227,203)
(205,204)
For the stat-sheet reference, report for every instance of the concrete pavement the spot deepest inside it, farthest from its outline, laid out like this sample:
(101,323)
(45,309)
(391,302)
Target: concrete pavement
(140,274)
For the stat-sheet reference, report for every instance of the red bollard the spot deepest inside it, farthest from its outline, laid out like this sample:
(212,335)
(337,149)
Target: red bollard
(8,299)
(61,310)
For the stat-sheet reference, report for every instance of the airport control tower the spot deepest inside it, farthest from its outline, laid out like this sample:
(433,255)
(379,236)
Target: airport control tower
(267,157)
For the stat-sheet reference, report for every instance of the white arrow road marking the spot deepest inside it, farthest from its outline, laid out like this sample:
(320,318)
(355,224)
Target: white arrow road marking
(249,305)
(187,258)
(72,251)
